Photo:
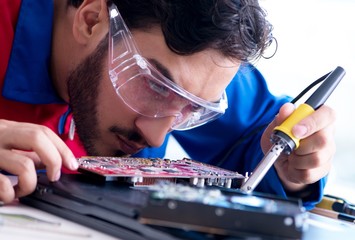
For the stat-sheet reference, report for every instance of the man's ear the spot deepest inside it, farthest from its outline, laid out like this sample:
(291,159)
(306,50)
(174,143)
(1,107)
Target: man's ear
(90,21)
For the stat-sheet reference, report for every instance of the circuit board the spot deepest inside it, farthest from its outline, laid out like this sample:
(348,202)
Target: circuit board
(147,171)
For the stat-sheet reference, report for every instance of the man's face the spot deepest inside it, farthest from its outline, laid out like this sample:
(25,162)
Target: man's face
(107,126)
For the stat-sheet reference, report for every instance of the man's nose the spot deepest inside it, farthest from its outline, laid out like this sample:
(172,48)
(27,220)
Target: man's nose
(154,130)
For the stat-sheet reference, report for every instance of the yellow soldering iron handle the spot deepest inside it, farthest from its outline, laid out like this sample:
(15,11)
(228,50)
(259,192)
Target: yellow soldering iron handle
(317,99)
(300,113)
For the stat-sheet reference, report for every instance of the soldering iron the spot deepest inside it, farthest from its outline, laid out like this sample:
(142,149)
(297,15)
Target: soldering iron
(282,138)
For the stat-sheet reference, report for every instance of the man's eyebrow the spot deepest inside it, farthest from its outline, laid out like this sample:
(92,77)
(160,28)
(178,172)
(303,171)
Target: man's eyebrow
(163,70)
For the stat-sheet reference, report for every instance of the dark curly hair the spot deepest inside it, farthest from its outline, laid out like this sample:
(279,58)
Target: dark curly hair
(236,28)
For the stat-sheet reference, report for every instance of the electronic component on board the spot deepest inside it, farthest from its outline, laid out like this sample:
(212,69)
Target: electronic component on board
(147,171)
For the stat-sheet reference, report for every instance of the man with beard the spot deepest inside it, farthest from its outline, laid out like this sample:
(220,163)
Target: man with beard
(114,78)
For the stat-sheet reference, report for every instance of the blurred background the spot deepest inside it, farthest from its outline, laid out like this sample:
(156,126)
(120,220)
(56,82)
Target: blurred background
(314,37)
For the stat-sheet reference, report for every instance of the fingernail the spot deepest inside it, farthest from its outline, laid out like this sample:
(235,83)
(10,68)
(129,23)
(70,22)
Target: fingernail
(299,130)
(74,164)
(57,176)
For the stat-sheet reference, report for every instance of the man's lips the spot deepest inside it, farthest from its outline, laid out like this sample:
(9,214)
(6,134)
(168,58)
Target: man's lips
(128,147)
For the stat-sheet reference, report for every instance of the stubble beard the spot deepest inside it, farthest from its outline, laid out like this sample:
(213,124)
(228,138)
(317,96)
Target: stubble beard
(83,89)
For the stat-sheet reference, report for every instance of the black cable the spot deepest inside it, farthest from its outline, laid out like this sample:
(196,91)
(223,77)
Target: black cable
(321,79)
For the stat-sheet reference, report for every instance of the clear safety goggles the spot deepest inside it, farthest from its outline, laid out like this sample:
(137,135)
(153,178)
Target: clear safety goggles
(145,90)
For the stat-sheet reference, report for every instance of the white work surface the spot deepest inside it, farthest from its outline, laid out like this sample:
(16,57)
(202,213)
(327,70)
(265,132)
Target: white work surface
(52,227)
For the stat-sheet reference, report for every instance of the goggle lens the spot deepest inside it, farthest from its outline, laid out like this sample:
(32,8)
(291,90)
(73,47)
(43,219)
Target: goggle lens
(145,90)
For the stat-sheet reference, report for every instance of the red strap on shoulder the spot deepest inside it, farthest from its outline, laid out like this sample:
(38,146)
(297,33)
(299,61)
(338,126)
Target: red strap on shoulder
(8,19)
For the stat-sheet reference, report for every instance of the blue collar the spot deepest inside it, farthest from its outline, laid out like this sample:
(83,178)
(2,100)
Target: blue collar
(28,74)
